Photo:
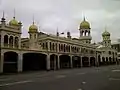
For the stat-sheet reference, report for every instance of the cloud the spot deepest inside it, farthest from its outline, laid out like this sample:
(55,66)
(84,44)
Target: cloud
(66,15)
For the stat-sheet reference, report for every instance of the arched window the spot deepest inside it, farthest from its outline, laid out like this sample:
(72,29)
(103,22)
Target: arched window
(46,45)
(11,41)
(62,47)
(53,45)
(50,46)
(59,48)
(43,46)
(6,40)
(16,42)
(56,46)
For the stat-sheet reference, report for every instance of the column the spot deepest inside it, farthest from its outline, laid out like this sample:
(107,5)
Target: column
(8,41)
(1,62)
(19,42)
(48,45)
(20,63)
(13,42)
(2,40)
(48,62)
(71,62)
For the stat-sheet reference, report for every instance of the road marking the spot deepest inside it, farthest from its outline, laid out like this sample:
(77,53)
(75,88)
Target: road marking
(60,76)
(115,79)
(80,73)
(79,89)
(116,70)
(14,83)
(83,82)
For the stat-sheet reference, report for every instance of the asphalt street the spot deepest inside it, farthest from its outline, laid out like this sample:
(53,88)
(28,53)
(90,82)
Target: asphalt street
(93,78)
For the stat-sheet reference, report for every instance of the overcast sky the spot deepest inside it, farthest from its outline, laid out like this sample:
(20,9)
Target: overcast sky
(66,15)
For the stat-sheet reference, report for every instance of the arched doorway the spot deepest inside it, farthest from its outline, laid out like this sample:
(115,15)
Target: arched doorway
(117,61)
(85,61)
(10,62)
(76,61)
(64,61)
(110,60)
(92,61)
(34,61)
(53,62)
(107,61)
(103,61)
(99,60)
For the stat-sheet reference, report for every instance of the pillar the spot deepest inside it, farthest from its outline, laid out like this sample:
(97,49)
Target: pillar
(1,62)
(13,42)
(20,63)
(71,62)
(48,45)
(2,40)
(19,42)
(48,62)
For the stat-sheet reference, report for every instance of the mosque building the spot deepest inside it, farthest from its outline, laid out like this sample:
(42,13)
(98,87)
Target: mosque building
(42,51)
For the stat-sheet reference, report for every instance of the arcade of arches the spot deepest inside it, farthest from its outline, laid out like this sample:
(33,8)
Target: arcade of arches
(10,41)
(10,62)
(39,61)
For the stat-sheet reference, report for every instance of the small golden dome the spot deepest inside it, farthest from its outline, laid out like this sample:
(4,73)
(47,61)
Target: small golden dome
(33,28)
(105,33)
(84,24)
(13,22)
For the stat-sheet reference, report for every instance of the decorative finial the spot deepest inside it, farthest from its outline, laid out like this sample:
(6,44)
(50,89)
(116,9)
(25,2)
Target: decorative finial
(84,18)
(3,17)
(14,14)
(57,32)
(39,28)
(3,14)
(33,19)
(105,28)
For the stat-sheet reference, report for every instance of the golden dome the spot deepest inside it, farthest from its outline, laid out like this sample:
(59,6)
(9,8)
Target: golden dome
(84,24)
(13,22)
(33,28)
(105,33)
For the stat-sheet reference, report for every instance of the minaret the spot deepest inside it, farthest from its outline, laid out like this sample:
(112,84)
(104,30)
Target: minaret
(3,22)
(106,39)
(84,29)
(33,35)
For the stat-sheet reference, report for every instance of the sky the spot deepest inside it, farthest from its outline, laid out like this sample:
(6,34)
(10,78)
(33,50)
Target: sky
(66,15)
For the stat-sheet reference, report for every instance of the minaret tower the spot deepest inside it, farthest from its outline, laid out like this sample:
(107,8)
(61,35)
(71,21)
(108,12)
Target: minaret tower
(3,22)
(33,35)
(84,29)
(106,39)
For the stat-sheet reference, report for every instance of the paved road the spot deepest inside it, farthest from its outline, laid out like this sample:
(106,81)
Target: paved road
(96,78)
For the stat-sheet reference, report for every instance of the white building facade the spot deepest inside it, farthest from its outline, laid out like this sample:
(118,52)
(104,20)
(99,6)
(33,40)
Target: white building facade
(42,51)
